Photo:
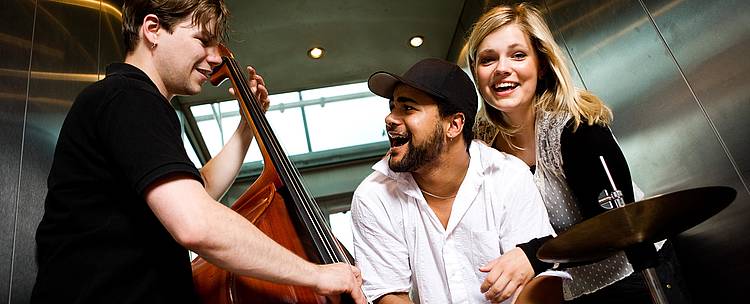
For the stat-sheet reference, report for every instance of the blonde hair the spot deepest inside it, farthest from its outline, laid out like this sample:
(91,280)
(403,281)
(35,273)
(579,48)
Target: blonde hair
(555,91)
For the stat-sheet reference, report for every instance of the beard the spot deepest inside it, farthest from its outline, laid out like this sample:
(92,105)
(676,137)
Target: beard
(418,156)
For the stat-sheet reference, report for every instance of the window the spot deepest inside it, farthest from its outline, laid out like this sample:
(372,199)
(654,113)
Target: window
(341,227)
(305,121)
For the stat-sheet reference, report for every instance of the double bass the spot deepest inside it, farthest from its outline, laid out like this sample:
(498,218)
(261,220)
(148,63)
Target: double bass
(278,204)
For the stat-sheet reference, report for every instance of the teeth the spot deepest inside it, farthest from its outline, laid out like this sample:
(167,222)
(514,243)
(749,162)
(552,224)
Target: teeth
(204,72)
(395,135)
(398,139)
(505,85)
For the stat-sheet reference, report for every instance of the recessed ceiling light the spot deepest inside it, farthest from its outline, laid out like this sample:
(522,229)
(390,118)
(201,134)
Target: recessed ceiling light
(316,52)
(416,41)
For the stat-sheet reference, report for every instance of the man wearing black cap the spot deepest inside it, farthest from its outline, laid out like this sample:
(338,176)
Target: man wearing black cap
(440,208)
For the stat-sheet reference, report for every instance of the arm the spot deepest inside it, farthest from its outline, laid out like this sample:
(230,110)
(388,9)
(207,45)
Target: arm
(584,171)
(219,173)
(529,250)
(228,240)
(160,171)
(525,219)
(379,250)
(587,178)
(394,298)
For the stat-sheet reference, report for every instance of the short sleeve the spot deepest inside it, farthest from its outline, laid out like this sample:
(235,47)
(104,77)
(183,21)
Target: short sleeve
(526,216)
(142,135)
(380,251)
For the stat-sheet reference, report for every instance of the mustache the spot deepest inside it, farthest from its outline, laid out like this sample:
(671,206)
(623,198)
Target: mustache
(393,127)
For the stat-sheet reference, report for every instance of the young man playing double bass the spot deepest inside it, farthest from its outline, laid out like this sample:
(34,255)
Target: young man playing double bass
(440,209)
(125,203)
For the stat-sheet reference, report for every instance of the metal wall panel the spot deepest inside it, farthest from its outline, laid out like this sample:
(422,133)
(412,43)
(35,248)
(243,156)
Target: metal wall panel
(709,41)
(70,34)
(665,134)
(16,24)
(111,46)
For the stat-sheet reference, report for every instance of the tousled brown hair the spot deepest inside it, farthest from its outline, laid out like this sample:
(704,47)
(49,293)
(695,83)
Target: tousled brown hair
(171,12)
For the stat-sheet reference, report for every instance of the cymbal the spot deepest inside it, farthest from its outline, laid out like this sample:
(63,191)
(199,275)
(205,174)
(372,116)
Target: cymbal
(646,221)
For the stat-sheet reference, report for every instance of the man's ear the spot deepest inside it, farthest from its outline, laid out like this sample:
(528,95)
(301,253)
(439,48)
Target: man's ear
(456,125)
(150,30)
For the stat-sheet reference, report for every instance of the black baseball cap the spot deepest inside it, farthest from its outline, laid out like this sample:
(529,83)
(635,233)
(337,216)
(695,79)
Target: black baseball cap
(442,79)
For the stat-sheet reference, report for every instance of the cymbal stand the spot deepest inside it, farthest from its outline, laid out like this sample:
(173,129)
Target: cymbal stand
(612,199)
(615,200)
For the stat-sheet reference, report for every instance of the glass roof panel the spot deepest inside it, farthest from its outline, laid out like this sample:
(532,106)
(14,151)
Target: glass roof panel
(289,130)
(335,91)
(347,123)
(325,118)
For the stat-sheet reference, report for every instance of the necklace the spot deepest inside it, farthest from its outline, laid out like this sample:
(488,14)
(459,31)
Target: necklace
(438,196)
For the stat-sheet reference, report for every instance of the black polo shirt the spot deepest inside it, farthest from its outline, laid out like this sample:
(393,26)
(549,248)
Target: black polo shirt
(98,241)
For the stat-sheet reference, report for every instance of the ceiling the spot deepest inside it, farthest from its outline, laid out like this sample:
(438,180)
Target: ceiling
(360,38)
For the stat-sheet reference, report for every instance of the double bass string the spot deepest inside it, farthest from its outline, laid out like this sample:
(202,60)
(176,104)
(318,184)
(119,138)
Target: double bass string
(313,214)
(294,184)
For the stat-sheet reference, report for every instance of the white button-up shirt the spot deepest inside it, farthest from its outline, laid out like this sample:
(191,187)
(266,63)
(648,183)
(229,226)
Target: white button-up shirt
(401,246)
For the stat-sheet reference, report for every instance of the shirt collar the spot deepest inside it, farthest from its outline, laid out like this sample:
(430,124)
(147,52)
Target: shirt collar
(130,71)
(409,186)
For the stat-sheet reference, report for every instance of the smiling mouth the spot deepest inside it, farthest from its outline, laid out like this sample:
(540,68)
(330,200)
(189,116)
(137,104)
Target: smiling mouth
(205,72)
(397,139)
(505,86)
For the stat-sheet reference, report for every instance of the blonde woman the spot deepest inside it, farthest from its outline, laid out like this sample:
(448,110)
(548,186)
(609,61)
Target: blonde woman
(531,110)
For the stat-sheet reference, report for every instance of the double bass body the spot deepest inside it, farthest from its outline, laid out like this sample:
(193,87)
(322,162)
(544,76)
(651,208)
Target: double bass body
(278,204)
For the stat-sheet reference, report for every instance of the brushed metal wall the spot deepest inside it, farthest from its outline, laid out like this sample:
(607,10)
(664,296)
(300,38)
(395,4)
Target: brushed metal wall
(16,21)
(50,51)
(675,74)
